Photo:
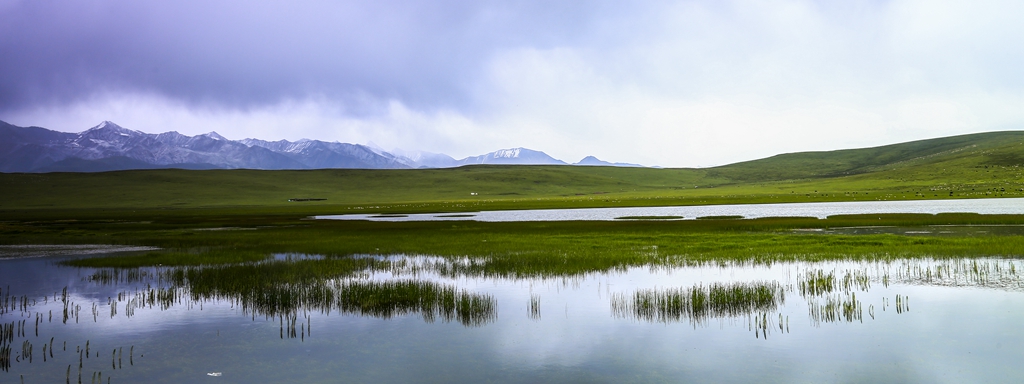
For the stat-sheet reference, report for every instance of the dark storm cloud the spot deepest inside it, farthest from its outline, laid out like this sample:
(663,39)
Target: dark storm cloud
(244,54)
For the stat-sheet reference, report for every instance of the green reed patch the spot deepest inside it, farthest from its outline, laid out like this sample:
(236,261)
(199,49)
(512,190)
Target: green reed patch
(283,288)
(528,249)
(431,300)
(837,308)
(699,303)
(817,283)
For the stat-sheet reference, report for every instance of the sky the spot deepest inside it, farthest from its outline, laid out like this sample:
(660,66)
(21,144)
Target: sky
(667,83)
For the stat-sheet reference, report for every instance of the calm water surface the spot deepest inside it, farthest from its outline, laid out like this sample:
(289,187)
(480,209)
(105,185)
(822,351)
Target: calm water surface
(922,321)
(749,211)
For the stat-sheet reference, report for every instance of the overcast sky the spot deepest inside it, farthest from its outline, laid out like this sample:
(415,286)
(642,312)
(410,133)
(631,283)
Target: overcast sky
(674,83)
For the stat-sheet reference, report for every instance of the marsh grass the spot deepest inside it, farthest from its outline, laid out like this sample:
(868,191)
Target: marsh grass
(298,285)
(286,288)
(987,273)
(529,249)
(817,282)
(835,308)
(699,303)
(381,299)
(430,300)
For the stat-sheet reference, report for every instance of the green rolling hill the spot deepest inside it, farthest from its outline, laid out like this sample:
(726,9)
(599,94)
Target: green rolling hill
(991,148)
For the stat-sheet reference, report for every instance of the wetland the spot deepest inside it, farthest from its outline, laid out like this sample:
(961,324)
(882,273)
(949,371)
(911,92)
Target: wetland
(880,297)
(315,319)
(882,265)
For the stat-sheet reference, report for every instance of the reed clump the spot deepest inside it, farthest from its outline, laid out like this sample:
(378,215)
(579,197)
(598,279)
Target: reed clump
(285,288)
(699,303)
(833,309)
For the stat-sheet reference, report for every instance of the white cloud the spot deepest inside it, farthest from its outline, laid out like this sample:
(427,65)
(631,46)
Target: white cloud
(681,84)
(711,84)
(394,124)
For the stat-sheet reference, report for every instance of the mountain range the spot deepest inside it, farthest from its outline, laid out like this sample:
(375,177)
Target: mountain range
(108,147)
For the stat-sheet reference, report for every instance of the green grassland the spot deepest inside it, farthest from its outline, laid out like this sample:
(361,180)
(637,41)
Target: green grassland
(231,216)
(971,166)
(521,249)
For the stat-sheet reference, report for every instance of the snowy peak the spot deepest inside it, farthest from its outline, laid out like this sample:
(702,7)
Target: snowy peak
(593,161)
(107,138)
(520,156)
(511,153)
(108,126)
(214,135)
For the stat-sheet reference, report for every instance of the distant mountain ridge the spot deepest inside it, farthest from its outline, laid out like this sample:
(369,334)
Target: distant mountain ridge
(108,147)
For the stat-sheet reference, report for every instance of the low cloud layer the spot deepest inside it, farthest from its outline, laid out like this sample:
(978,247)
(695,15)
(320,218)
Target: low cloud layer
(690,83)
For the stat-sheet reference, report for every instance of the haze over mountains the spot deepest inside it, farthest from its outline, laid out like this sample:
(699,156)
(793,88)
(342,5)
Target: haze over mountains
(108,147)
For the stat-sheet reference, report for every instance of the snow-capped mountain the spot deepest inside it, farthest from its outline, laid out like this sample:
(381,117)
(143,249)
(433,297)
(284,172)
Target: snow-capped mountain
(320,154)
(593,161)
(109,146)
(520,156)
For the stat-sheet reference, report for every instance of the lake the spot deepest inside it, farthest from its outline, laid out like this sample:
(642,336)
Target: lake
(418,318)
(749,211)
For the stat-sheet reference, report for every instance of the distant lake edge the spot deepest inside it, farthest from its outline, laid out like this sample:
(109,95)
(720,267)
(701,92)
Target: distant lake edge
(993,206)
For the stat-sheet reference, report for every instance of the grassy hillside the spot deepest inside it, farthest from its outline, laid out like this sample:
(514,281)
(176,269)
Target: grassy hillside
(990,148)
(969,166)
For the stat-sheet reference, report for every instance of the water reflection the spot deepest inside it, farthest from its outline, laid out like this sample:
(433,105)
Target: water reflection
(390,286)
(72,332)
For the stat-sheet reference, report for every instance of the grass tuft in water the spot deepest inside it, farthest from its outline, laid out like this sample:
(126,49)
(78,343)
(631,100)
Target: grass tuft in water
(699,303)
(534,308)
